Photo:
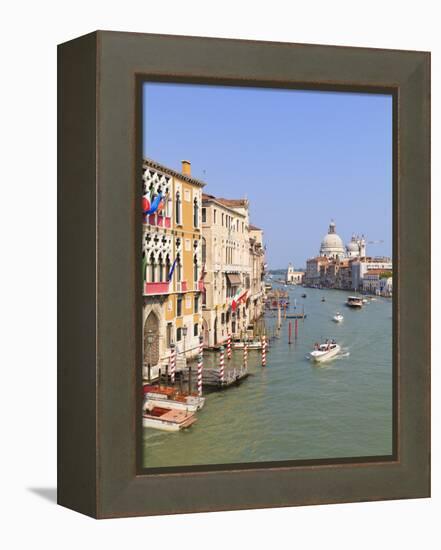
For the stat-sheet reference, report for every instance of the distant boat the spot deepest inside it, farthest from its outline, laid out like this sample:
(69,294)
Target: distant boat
(252,344)
(324,352)
(338,317)
(354,301)
(296,315)
(323,299)
(303,295)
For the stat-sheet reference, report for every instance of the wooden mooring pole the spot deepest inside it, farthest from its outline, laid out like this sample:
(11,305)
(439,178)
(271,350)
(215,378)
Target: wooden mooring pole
(263,351)
(221,364)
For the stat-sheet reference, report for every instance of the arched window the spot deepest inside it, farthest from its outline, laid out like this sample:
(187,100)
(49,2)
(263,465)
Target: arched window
(144,267)
(167,267)
(160,269)
(178,268)
(195,213)
(178,208)
(204,250)
(195,268)
(152,267)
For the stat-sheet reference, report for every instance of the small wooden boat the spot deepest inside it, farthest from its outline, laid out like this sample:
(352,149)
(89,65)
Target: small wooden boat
(168,396)
(324,352)
(168,420)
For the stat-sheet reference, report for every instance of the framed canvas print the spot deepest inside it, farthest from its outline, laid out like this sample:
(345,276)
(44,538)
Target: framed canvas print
(244,271)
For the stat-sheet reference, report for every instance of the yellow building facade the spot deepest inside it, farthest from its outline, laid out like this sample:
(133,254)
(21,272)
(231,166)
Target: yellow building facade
(172,265)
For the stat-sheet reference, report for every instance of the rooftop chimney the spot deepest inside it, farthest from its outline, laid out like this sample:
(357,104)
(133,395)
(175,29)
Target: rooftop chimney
(186,167)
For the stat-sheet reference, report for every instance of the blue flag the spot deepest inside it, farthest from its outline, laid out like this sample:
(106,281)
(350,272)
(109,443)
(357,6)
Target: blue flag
(170,274)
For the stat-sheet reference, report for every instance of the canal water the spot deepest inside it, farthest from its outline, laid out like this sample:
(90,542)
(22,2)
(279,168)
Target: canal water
(293,409)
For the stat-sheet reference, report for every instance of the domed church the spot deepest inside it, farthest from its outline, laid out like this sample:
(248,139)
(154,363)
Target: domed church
(332,245)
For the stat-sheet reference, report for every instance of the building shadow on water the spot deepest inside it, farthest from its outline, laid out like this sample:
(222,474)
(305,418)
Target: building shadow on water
(48,493)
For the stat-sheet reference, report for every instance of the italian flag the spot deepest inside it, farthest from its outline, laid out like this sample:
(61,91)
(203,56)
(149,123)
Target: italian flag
(239,297)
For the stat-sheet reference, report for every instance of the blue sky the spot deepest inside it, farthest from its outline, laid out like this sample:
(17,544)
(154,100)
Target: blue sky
(300,157)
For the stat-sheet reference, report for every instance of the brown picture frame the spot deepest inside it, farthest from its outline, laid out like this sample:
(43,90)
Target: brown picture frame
(99,310)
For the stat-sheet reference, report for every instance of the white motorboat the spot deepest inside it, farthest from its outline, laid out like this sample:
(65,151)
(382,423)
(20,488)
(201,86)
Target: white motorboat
(252,344)
(365,300)
(338,317)
(354,301)
(168,420)
(324,352)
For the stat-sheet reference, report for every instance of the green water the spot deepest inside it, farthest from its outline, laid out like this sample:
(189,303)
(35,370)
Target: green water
(293,409)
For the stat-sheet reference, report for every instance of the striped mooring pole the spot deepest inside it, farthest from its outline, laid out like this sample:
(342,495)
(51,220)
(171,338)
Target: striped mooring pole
(289,332)
(263,351)
(229,346)
(245,355)
(221,364)
(173,363)
(201,345)
(200,368)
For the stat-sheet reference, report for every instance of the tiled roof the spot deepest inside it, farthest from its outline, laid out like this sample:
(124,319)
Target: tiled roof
(225,203)
(157,166)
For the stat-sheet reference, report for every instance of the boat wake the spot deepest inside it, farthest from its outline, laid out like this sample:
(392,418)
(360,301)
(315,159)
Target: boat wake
(343,353)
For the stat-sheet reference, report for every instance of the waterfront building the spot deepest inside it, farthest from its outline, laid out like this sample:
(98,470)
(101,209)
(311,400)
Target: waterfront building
(342,267)
(337,274)
(316,270)
(377,281)
(361,266)
(234,262)
(172,264)
(257,267)
(294,277)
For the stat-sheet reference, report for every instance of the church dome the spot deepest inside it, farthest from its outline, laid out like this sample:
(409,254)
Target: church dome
(332,244)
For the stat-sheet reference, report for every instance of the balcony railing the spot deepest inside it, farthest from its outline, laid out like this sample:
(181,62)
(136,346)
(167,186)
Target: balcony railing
(159,221)
(156,288)
(181,286)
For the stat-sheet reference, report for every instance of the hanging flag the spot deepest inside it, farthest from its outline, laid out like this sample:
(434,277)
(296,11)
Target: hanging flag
(170,273)
(238,297)
(154,205)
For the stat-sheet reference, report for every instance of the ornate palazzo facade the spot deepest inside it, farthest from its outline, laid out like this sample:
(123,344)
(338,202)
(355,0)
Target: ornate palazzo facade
(172,265)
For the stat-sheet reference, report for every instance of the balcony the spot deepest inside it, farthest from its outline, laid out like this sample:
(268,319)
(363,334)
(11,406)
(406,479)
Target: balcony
(151,289)
(181,286)
(158,220)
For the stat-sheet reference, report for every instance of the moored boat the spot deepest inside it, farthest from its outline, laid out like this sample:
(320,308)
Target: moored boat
(354,301)
(324,352)
(252,344)
(170,397)
(169,420)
